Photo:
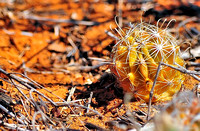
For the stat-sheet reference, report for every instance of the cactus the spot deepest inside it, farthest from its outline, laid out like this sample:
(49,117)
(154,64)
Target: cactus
(136,57)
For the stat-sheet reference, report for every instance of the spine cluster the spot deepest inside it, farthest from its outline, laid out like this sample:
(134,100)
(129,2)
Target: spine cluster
(136,56)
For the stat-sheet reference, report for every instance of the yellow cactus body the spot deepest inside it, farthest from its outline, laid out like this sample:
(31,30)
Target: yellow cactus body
(136,58)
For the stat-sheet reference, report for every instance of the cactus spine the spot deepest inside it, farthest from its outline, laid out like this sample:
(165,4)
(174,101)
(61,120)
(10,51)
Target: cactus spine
(136,57)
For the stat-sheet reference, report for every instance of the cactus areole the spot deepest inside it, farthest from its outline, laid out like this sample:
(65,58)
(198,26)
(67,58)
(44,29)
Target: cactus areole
(136,57)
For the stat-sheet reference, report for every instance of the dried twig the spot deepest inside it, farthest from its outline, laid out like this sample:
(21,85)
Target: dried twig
(18,88)
(74,104)
(13,126)
(71,93)
(120,19)
(24,106)
(193,64)
(29,80)
(73,67)
(72,52)
(183,70)
(28,84)
(89,101)
(44,116)
(70,21)
(11,114)
(111,35)
(179,68)
(185,22)
(152,89)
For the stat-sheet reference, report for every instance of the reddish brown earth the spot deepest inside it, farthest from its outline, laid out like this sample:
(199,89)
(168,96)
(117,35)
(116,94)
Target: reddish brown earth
(66,55)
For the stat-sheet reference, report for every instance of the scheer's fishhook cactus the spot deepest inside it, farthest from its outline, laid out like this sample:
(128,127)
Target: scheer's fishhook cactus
(136,57)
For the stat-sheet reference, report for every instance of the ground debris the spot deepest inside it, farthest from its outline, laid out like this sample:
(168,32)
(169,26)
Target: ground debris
(55,59)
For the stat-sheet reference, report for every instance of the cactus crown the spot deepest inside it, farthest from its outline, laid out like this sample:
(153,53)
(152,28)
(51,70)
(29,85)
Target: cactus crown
(136,56)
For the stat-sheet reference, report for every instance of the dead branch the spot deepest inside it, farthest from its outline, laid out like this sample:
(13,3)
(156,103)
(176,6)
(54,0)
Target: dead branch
(70,21)
(152,89)
(183,70)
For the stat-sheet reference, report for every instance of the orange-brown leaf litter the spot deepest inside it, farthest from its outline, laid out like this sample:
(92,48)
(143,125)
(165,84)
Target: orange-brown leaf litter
(60,57)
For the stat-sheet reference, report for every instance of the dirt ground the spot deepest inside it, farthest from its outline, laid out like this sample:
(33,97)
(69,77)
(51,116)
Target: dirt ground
(55,57)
